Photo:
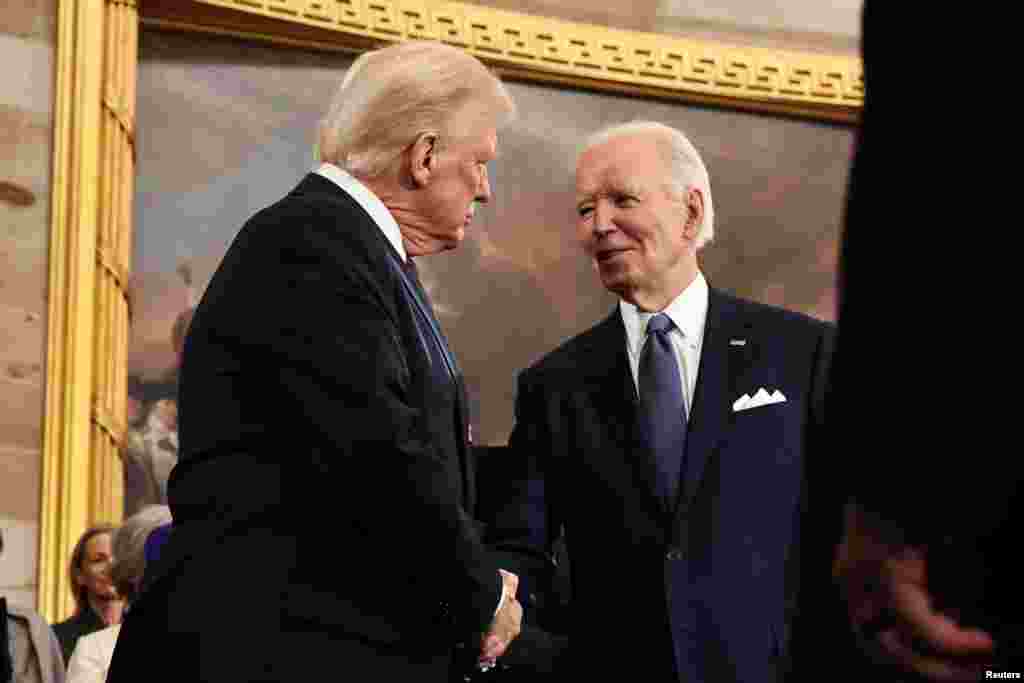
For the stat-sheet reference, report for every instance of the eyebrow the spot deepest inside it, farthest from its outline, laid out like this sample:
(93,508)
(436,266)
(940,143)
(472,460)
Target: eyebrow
(609,189)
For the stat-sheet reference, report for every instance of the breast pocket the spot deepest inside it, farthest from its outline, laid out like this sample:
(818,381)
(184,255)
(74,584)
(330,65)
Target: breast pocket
(773,431)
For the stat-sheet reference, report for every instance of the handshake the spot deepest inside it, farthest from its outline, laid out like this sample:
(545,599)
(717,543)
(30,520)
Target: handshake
(506,624)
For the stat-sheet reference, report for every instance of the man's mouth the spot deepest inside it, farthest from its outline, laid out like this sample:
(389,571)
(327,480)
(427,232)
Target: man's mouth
(608,254)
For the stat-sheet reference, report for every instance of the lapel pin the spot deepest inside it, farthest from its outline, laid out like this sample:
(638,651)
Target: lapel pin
(737,342)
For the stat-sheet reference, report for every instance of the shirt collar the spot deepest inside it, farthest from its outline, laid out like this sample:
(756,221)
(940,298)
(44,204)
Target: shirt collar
(687,311)
(370,202)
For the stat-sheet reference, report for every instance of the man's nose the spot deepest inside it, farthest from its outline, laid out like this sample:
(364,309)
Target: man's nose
(604,220)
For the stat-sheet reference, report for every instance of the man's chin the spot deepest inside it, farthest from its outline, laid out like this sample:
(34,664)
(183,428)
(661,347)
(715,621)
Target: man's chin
(441,244)
(615,280)
(455,239)
(619,286)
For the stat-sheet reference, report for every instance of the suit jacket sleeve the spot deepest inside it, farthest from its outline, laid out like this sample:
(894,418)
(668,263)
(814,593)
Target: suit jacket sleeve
(337,348)
(530,528)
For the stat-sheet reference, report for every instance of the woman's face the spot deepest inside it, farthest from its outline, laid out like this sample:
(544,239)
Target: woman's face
(94,573)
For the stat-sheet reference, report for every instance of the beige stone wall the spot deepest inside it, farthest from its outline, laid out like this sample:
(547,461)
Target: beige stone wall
(27,38)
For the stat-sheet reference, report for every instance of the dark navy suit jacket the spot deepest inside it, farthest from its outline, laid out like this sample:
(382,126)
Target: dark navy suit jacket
(700,591)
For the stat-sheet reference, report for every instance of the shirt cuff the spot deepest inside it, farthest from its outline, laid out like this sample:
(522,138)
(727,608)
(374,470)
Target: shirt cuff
(504,595)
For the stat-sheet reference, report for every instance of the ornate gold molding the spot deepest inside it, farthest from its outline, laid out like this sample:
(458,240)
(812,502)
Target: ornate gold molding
(89,250)
(828,87)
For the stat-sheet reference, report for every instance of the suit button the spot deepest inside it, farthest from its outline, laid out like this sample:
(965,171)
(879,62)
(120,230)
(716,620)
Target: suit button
(674,554)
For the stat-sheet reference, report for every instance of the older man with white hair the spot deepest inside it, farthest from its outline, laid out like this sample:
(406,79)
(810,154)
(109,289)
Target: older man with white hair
(324,493)
(668,442)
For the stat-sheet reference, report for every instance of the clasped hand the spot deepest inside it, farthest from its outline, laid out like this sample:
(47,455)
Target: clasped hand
(506,625)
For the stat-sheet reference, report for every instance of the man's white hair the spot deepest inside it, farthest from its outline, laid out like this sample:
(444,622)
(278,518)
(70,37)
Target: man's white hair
(392,95)
(686,168)
(129,547)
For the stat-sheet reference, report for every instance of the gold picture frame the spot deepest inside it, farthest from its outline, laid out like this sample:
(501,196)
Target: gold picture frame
(94,152)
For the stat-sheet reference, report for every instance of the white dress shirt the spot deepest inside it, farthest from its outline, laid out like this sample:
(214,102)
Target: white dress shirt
(688,312)
(381,215)
(91,657)
(370,202)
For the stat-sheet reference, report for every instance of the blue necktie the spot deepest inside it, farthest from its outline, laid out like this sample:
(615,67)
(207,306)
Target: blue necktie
(662,408)
(435,353)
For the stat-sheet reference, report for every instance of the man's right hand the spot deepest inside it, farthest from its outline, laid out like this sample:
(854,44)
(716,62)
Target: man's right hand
(893,612)
(507,621)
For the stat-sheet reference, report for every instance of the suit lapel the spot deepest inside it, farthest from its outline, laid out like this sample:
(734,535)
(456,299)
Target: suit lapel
(420,301)
(613,393)
(461,404)
(314,183)
(605,369)
(721,363)
(422,304)
(466,448)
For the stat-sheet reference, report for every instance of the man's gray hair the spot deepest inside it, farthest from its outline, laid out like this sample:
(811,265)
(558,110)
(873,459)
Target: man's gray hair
(686,168)
(392,95)
(129,547)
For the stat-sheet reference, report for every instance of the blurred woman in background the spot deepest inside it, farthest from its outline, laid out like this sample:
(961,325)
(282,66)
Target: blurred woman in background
(92,654)
(98,604)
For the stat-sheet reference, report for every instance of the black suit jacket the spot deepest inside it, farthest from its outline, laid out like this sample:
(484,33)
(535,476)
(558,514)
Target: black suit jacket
(82,623)
(700,592)
(923,400)
(322,502)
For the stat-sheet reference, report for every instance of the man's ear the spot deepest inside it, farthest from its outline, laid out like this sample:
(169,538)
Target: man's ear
(694,203)
(423,158)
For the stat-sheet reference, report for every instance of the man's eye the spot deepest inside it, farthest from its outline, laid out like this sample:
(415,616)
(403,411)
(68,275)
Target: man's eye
(626,200)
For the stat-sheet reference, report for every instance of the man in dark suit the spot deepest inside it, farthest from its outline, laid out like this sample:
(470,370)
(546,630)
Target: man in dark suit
(934,492)
(669,440)
(323,501)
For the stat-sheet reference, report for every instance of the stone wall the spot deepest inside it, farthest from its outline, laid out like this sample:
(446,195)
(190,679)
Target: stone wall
(27,40)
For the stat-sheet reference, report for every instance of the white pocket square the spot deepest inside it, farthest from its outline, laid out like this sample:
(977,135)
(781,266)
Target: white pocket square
(761,398)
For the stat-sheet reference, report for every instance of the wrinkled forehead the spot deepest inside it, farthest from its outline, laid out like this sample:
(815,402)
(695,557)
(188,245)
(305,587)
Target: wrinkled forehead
(606,178)
(619,164)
